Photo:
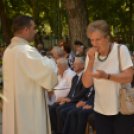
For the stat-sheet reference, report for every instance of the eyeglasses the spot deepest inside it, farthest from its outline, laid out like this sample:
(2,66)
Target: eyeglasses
(95,40)
(61,45)
(77,64)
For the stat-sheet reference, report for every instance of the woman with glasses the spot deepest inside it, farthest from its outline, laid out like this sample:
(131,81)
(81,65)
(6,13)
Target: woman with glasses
(102,69)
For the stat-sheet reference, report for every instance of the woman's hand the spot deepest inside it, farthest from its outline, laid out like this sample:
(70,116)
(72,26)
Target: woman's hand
(99,75)
(87,107)
(61,103)
(66,100)
(91,53)
(87,80)
(80,104)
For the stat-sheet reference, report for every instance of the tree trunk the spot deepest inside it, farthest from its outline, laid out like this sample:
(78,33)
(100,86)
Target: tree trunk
(55,18)
(78,21)
(60,28)
(4,23)
(35,15)
(131,20)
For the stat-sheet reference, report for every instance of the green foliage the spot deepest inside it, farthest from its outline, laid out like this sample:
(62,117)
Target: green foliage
(52,20)
(131,47)
(45,12)
(117,13)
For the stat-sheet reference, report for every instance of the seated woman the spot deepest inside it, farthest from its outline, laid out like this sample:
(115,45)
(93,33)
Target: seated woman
(102,69)
(66,54)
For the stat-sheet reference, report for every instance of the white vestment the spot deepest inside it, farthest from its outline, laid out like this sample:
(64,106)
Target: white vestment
(25,72)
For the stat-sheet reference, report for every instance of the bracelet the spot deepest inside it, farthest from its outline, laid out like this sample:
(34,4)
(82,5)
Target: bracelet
(108,76)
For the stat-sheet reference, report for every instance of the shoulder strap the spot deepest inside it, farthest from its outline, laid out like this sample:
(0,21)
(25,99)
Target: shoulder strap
(120,66)
(119,57)
(130,88)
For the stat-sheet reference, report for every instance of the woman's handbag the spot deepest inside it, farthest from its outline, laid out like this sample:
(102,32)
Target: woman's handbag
(126,96)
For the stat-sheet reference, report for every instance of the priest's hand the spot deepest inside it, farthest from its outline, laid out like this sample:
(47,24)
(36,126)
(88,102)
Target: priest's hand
(80,104)
(87,107)
(50,93)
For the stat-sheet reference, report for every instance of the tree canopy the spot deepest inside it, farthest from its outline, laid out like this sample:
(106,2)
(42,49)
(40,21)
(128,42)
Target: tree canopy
(51,17)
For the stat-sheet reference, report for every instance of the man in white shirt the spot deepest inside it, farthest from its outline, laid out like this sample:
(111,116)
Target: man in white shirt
(57,53)
(65,75)
(77,92)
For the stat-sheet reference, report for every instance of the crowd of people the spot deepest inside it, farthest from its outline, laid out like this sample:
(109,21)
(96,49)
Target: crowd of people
(72,104)
(72,88)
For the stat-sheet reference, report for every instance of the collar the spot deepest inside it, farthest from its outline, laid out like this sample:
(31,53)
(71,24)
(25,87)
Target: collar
(19,40)
(80,74)
(65,72)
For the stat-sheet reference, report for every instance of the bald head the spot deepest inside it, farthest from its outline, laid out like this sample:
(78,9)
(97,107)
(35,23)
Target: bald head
(78,65)
(62,64)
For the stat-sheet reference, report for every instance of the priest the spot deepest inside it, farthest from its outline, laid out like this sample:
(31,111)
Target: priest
(26,73)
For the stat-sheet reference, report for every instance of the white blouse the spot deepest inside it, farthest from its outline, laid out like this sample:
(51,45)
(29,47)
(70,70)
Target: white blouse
(107,91)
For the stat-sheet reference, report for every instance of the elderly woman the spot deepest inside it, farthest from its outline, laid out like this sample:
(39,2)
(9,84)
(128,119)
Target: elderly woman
(102,69)
(57,52)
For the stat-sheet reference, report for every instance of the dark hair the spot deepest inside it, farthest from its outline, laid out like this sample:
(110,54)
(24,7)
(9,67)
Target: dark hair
(78,43)
(61,41)
(118,40)
(20,22)
(66,47)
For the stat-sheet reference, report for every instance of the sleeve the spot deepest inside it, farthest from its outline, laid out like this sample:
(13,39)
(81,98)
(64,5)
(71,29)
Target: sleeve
(80,95)
(90,101)
(70,77)
(71,61)
(40,69)
(126,60)
(91,96)
(71,89)
(53,98)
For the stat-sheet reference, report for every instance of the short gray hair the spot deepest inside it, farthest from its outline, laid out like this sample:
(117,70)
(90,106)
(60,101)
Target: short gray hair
(39,45)
(100,26)
(63,61)
(58,51)
(81,60)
